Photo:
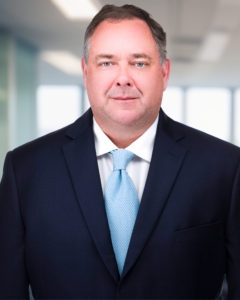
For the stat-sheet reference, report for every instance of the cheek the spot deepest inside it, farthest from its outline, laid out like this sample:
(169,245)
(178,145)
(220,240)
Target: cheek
(99,83)
(151,86)
(157,81)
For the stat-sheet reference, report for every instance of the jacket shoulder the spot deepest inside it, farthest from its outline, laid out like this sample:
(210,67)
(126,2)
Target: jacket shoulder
(44,143)
(199,141)
(51,143)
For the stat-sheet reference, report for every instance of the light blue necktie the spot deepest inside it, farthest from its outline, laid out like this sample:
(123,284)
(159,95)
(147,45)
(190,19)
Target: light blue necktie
(121,202)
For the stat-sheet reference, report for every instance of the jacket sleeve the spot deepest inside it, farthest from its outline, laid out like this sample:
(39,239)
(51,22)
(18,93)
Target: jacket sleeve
(13,273)
(233,241)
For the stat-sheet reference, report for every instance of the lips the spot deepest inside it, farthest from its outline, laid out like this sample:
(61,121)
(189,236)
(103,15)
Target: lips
(124,98)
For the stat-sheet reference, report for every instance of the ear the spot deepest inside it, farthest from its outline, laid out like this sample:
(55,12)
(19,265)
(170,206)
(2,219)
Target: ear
(84,71)
(166,72)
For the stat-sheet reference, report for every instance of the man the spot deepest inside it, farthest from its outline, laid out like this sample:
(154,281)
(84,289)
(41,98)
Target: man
(124,203)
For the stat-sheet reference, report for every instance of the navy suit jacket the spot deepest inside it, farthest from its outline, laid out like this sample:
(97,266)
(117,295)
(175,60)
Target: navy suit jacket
(54,232)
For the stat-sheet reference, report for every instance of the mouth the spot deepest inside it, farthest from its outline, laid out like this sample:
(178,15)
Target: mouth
(124,98)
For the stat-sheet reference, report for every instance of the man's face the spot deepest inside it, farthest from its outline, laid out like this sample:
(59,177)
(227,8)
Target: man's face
(124,78)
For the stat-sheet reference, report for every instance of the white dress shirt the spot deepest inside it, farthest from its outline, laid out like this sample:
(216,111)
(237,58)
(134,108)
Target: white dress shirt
(137,168)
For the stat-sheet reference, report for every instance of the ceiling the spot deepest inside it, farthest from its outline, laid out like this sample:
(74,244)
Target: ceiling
(187,23)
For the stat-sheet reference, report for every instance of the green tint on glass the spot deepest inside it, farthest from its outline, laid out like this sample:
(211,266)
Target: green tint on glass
(18,72)
(4,95)
(25,72)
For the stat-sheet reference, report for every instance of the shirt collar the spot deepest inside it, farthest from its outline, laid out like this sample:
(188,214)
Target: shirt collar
(142,147)
(103,144)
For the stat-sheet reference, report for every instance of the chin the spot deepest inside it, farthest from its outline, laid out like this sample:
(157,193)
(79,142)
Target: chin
(126,118)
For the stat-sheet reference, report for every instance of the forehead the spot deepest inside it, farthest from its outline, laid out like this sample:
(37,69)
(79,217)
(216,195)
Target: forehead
(126,35)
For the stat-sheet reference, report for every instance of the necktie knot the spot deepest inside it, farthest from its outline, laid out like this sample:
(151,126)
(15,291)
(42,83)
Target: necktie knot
(121,158)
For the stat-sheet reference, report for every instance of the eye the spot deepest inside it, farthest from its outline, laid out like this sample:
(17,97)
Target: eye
(140,64)
(106,64)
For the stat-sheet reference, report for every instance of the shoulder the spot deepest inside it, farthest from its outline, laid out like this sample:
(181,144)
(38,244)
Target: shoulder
(41,148)
(201,143)
(49,147)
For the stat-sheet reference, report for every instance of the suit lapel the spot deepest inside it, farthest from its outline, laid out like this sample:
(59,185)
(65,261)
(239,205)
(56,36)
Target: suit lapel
(165,165)
(81,159)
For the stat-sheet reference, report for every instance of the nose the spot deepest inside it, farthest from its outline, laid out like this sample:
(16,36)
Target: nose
(123,78)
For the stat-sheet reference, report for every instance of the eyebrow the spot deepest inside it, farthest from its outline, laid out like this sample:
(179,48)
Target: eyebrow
(141,55)
(106,56)
(134,55)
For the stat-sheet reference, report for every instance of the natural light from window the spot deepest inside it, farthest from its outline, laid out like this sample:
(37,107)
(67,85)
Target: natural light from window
(209,110)
(206,109)
(57,106)
(172,103)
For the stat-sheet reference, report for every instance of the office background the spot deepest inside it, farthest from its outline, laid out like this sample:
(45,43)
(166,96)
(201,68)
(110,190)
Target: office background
(41,86)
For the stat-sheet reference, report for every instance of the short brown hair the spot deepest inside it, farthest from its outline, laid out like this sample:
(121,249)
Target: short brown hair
(126,12)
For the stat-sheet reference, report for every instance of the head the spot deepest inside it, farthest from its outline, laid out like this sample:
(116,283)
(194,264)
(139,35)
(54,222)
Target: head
(125,68)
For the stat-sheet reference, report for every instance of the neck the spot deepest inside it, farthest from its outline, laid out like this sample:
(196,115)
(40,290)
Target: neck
(123,141)
(124,135)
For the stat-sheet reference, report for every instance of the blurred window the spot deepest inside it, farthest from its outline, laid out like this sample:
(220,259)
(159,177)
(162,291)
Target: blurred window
(209,110)
(172,103)
(206,109)
(237,118)
(57,106)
